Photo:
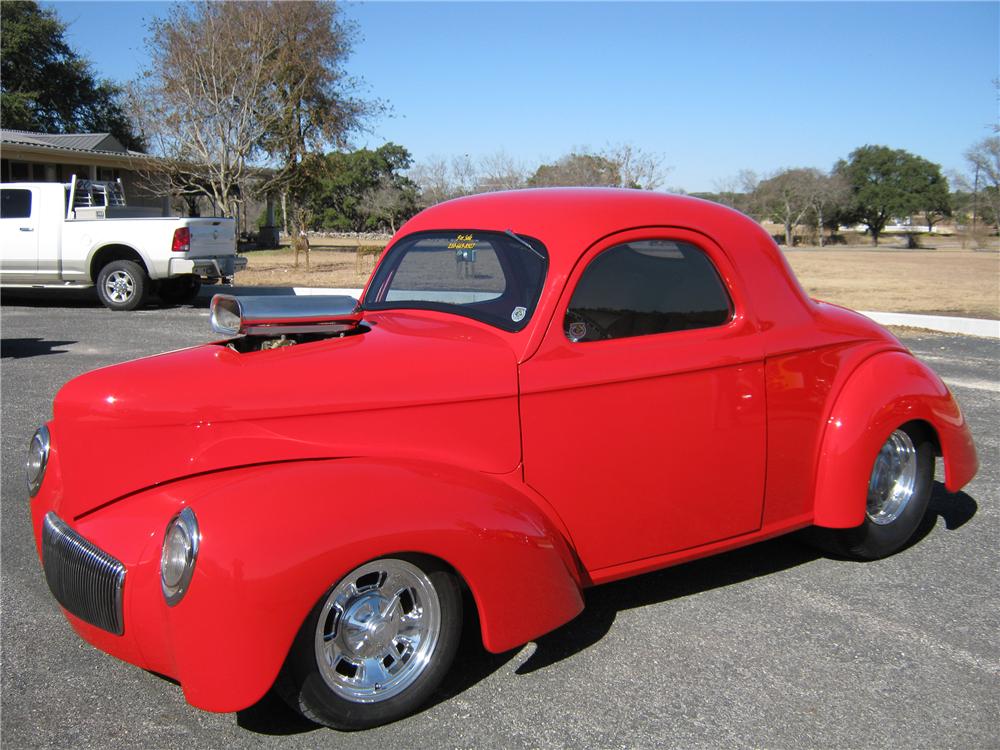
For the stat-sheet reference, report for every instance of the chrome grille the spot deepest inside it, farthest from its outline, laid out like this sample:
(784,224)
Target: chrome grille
(84,579)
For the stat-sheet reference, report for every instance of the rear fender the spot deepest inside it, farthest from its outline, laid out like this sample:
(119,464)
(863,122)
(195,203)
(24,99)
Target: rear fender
(885,392)
(276,538)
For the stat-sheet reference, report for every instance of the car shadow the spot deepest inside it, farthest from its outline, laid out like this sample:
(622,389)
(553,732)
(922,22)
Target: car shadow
(71,298)
(955,510)
(31,347)
(603,603)
(473,663)
(272,716)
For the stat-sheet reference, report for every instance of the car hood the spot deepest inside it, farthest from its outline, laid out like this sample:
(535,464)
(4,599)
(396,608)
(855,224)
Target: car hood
(412,386)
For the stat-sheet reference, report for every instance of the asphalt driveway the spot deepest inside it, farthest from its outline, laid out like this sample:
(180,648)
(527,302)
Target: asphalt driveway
(769,646)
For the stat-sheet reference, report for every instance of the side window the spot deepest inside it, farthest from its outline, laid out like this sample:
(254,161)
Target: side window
(646,287)
(15,204)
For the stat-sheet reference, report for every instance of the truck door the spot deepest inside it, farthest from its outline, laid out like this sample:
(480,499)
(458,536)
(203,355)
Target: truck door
(18,236)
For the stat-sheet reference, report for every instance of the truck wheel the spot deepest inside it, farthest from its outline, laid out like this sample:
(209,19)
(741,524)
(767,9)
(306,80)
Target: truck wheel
(376,645)
(179,290)
(122,285)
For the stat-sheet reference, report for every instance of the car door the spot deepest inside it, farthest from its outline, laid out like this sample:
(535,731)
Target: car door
(643,414)
(18,236)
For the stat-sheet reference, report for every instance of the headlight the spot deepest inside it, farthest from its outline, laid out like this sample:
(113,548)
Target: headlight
(180,552)
(38,457)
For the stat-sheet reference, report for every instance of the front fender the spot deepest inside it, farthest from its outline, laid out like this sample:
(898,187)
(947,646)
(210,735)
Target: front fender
(885,392)
(275,538)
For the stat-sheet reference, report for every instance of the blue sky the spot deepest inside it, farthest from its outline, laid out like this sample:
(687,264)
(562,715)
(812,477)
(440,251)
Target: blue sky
(716,87)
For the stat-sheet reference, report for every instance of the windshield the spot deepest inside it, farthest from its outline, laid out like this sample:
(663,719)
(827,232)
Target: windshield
(494,277)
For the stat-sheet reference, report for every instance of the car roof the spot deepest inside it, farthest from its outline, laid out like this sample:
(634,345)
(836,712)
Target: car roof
(569,220)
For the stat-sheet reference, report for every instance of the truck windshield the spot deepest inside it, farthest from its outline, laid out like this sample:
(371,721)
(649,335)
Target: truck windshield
(495,277)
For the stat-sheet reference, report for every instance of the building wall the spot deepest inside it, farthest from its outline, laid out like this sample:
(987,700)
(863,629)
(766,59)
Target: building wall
(18,165)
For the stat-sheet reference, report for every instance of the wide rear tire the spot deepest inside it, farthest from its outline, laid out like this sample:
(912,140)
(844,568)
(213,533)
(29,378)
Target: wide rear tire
(899,489)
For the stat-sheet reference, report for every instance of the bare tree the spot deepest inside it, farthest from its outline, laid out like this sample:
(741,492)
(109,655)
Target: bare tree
(737,191)
(433,178)
(789,196)
(465,175)
(196,103)
(638,168)
(238,86)
(617,166)
(440,179)
(384,203)
(500,171)
(984,161)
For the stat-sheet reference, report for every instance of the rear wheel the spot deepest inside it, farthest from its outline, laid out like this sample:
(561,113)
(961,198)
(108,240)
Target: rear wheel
(376,645)
(122,285)
(899,488)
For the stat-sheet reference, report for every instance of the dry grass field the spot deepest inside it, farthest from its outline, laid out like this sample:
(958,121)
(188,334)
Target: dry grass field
(946,281)
(943,279)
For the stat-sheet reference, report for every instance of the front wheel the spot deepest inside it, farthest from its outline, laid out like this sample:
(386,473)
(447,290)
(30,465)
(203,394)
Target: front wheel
(376,645)
(122,285)
(899,489)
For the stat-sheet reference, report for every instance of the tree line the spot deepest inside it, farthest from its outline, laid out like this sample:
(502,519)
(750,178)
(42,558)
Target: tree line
(242,100)
(874,186)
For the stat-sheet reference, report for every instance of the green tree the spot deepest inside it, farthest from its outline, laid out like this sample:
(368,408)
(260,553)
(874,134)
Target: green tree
(358,190)
(788,197)
(887,183)
(587,170)
(47,87)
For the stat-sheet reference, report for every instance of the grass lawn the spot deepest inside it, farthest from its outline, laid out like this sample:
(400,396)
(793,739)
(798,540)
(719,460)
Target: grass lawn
(945,279)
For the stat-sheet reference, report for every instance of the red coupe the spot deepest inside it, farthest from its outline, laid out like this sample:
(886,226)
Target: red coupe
(539,391)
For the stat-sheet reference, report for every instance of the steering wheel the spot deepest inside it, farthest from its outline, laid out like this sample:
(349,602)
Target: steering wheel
(574,318)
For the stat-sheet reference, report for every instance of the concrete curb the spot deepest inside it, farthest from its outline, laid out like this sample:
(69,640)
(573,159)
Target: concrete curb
(944,323)
(965,326)
(307,290)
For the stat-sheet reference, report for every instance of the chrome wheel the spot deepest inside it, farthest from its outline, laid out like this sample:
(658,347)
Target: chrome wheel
(377,631)
(893,479)
(119,286)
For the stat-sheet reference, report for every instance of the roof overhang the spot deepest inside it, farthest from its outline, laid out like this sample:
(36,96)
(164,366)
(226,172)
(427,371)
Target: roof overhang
(56,155)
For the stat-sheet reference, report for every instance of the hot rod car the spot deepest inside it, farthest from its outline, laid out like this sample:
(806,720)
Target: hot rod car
(538,391)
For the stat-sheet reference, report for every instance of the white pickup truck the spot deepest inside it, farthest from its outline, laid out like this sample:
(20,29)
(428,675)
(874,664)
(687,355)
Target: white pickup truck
(82,234)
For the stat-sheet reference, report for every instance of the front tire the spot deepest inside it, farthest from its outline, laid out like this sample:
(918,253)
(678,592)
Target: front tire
(122,285)
(376,645)
(899,489)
